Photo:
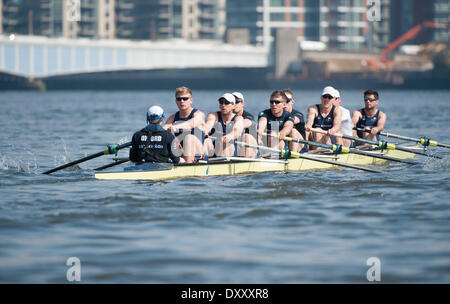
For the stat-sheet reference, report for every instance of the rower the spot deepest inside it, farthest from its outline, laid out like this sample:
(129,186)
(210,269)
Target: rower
(369,117)
(325,116)
(223,127)
(346,122)
(299,123)
(249,135)
(187,125)
(153,143)
(276,120)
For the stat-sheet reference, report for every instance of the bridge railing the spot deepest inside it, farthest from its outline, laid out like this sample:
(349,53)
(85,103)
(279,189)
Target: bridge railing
(38,57)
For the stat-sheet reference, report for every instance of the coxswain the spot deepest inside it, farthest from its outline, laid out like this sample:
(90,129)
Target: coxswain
(154,143)
(249,135)
(298,131)
(369,118)
(275,121)
(222,128)
(187,125)
(325,116)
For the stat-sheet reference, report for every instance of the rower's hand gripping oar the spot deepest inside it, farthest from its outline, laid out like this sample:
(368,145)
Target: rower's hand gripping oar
(338,149)
(424,141)
(287,153)
(383,145)
(112,149)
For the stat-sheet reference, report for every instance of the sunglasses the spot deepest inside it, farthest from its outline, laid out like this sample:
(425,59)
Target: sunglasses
(327,97)
(183,98)
(238,101)
(275,101)
(224,102)
(369,99)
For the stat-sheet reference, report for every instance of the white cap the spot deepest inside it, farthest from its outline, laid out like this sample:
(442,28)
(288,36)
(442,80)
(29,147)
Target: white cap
(330,91)
(229,97)
(288,96)
(238,95)
(338,95)
(155,113)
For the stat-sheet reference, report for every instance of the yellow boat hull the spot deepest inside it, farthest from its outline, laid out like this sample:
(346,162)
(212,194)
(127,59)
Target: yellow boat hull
(247,167)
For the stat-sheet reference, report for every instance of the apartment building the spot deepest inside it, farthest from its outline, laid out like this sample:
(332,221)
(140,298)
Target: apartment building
(163,19)
(107,19)
(341,24)
(441,14)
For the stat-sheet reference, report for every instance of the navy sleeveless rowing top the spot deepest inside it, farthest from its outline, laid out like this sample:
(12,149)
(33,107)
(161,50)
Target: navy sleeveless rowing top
(224,129)
(224,126)
(193,131)
(366,121)
(325,123)
(271,119)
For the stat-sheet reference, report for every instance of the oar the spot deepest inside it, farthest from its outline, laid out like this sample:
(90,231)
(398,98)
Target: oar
(110,150)
(383,145)
(338,149)
(115,163)
(424,141)
(287,153)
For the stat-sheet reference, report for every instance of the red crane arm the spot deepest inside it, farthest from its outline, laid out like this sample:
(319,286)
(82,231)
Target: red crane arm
(411,34)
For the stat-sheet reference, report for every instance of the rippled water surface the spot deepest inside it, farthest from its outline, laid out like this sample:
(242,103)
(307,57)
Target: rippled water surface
(313,227)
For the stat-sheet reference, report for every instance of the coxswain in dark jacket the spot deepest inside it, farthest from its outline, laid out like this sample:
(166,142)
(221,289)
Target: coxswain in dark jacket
(153,143)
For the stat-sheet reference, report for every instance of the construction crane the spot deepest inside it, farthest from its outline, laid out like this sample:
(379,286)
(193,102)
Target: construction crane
(411,34)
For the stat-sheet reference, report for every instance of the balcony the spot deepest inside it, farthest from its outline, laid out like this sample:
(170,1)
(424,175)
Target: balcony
(10,9)
(125,19)
(164,15)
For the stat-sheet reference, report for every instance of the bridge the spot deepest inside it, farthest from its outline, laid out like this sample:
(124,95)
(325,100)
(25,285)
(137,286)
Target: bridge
(38,57)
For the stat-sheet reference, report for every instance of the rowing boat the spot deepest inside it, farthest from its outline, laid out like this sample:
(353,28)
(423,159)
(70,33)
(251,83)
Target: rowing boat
(235,166)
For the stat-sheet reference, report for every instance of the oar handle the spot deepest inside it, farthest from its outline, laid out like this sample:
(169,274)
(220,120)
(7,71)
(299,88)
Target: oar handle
(338,149)
(320,131)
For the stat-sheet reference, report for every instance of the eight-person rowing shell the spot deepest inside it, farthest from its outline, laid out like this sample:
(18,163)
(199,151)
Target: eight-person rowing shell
(232,132)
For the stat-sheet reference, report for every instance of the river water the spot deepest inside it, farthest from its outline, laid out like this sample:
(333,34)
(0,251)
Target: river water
(313,227)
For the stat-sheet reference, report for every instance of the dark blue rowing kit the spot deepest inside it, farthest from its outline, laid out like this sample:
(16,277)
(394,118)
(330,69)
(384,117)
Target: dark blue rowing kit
(300,127)
(272,120)
(366,121)
(223,131)
(154,144)
(325,123)
(196,131)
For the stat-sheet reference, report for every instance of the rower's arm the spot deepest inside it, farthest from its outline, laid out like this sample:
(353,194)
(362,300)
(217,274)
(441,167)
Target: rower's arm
(247,123)
(196,121)
(262,124)
(336,122)
(287,129)
(381,123)
(356,117)
(312,114)
(238,128)
(169,122)
(211,119)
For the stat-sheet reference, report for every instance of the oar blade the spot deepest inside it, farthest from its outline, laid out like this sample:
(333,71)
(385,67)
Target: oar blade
(110,150)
